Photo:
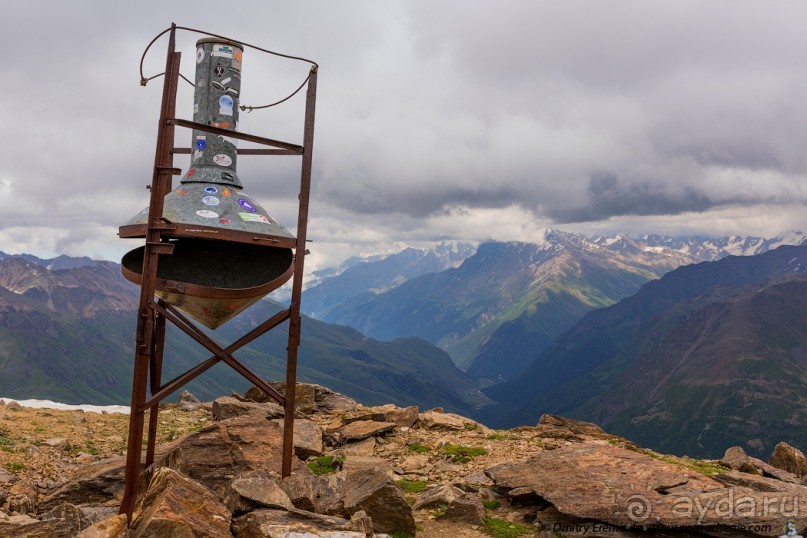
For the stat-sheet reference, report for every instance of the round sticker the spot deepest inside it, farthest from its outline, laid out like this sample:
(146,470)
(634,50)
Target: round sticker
(210,200)
(222,160)
(210,189)
(200,143)
(207,214)
(246,205)
(200,55)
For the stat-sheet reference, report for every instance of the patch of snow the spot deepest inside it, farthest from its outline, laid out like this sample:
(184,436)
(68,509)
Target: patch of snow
(47,404)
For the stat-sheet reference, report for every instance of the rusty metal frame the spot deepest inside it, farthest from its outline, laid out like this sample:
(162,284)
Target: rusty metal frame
(153,313)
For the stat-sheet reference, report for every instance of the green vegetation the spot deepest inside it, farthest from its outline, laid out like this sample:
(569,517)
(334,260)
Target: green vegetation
(400,534)
(498,436)
(325,465)
(412,486)
(462,454)
(492,505)
(707,468)
(418,448)
(500,528)
(471,427)
(14,467)
(441,510)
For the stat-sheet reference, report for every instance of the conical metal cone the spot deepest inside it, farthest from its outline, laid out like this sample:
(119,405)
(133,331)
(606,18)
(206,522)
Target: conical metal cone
(228,250)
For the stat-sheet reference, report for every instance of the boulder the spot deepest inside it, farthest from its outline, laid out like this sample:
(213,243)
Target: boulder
(736,458)
(69,515)
(269,522)
(790,459)
(374,492)
(13,406)
(402,416)
(459,505)
(174,505)
(112,527)
(307,437)
(22,498)
(594,480)
(362,429)
(557,427)
(447,421)
(189,402)
(229,407)
(7,477)
(248,494)
(365,447)
(361,463)
(308,398)
(320,494)
(95,483)
(217,454)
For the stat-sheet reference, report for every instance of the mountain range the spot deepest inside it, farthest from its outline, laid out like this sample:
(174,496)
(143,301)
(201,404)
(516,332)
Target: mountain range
(68,334)
(710,355)
(501,307)
(682,344)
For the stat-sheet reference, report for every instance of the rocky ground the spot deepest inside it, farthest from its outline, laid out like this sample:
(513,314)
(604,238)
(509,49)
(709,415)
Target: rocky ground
(376,471)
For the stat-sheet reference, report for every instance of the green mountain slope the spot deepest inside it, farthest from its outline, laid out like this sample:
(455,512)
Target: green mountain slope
(708,356)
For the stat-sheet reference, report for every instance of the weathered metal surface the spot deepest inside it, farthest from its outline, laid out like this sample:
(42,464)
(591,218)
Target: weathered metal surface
(213,281)
(215,206)
(210,270)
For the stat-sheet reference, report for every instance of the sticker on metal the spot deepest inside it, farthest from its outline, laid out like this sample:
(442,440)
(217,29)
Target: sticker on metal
(191,172)
(197,154)
(246,205)
(210,200)
(254,217)
(218,86)
(225,192)
(225,221)
(222,51)
(207,214)
(221,124)
(226,176)
(226,105)
(200,55)
(210,189)
(219,70)
(222,159)
(201,142)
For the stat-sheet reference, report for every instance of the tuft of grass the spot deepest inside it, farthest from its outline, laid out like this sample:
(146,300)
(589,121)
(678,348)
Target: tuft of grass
(501,528)
(400,534)
(462,454)
(14,466)
(323,465)
(492,504)
(710,469)
(471,427)
(412,486)
(418,448)
(441,510)
(498,436)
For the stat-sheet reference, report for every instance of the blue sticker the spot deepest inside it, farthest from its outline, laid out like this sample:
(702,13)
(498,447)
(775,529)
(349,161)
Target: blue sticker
(210,200)
(211,190)
(200,143)
(246,205)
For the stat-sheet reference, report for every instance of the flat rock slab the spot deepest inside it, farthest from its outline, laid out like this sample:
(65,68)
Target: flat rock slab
(112,527)
(174,505)
(229,407)
(268,522)
(248,494)
(602,482)
(448,421)
(402,416)
(362,429)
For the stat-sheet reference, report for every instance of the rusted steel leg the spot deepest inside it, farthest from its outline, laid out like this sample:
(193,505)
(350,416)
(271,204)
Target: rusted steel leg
(297,283)
(156,380)
(160,184)
(136,415)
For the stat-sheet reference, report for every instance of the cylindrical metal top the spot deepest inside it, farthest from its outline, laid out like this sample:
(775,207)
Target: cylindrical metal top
(218,84)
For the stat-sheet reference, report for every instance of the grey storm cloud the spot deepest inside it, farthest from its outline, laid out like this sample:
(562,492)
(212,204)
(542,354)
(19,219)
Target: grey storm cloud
(573,111)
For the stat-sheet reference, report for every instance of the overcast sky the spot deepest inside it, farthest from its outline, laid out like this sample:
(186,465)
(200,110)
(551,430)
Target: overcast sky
(459,120)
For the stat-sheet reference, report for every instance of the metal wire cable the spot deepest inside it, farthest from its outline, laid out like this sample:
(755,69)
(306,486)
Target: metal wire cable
(314,65)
